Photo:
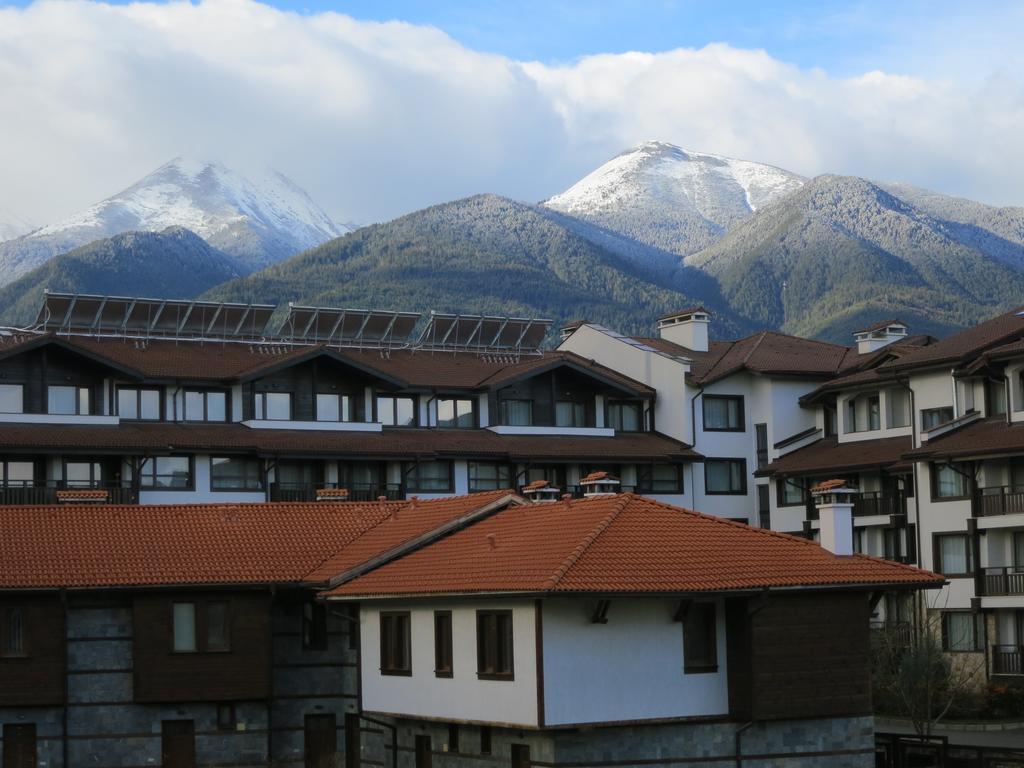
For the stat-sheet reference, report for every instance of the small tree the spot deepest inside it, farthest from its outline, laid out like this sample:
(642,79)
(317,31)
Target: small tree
(916,678)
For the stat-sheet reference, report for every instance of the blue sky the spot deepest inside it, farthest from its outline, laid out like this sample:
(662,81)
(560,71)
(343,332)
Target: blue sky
(519,98)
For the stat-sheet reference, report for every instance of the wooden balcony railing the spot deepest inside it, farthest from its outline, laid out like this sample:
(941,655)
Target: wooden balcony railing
(868,503)
(1008,659)
(47,493)
(1006,580)
(897,633)
(356,491)
(1005,500)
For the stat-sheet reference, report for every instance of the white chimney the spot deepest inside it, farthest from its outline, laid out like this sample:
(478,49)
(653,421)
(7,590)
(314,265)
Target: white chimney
(569,329)
(835,515)
(879,335)
(687,328)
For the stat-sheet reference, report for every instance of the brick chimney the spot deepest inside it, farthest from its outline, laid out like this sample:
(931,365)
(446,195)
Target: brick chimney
(835,515)
(687,328)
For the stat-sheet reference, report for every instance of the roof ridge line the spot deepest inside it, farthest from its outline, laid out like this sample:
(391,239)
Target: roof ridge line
(580,550)
(753,349)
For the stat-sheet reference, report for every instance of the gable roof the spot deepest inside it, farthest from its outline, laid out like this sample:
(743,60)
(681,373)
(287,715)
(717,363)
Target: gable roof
(984,437)
(952,350)
(829,455)
(620,544)
(99,545)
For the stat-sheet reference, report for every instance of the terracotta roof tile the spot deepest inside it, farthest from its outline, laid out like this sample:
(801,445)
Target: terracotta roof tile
(99,545)
(619,544)
(829,455)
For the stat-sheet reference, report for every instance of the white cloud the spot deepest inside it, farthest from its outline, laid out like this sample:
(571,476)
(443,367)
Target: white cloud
(378,119)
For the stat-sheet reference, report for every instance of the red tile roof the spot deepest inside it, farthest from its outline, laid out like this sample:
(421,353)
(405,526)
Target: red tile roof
(100,545)
(620,544)
(829,455)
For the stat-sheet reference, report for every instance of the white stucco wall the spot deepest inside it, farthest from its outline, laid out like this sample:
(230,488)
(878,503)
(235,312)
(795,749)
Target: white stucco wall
(628,669)
(461,697)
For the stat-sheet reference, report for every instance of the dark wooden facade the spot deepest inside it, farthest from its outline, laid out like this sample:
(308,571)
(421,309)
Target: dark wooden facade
(799,656)
(322,375)
(547,389)
(37,677)
(241,672)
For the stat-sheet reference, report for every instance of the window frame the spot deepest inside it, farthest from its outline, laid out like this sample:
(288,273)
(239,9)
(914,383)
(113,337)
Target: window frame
(8,651)
(943,409)
(313,630)
(695,624)
(259,405)
(394,400)
(205,393)
(413,482)
(933,477)
(743,476)
(79,390)
(578,408)
(490,637)
(260,474)
(641,426)
(388,644)
(646,480)
(444,661)
(741,415)
(95,473)
(780,492)
(455,400)
(937,563)
(978,638)
(138,402)
(138,474)
(499,483)
(503,406)
(21,388)
(201,625)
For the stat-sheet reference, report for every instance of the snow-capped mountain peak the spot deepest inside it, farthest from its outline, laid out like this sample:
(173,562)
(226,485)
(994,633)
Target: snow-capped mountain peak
(12,225)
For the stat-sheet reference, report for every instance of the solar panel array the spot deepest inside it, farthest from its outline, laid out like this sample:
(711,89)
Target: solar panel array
(348,327)
(95,315)
(170,318)
(483,333)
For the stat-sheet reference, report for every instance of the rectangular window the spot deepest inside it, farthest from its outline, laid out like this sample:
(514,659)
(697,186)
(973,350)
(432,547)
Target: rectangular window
(761,437)
(138,404)
(273,406)
(830,418)
(12,398)
(13,643)
(661,478)
(485,739)
(333,407)
(70,401)
(570,414)
(429,476)
(443,643)
(995,393)
(723,413)
(949,482)
(898,405)
(489,476)
(700,639)
(851,415)
(184,618)
(235,473)
(933,417)
(517,413)
(874,412)
(953,554)
(792,491)
(82,474)
(314,626)
(455,413)
(218,627)
(963,631)
(166,473)
(395,644)
(396,411)
(725,476)
(624,416)
(494,645)
(206,406)
(17,474)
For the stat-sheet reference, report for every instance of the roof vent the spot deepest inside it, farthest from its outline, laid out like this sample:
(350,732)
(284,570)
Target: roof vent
(540,491)
(687,328)
(879,335)
(599,484)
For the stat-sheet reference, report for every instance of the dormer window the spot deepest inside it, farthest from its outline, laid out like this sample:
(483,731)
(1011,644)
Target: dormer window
(138,404)
(333,407)
(517,413)
(625,416)
(396,411)
(570,414)
(206,406)
(455,413)
(273,406)
(12,398)
(68,400)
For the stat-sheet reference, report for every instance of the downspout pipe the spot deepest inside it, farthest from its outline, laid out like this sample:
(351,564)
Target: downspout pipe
(738,736)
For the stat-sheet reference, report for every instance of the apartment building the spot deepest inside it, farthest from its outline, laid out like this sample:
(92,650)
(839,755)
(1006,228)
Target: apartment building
(163,402)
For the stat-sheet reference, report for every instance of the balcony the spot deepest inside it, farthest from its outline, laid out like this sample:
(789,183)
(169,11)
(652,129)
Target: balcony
(898,634)
(356,491)
(1006,500)
(1008,659)
(23,494)
(1005,580)
(868,504)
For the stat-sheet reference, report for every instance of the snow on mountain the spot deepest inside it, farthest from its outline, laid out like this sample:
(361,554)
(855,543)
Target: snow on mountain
(672,198)
(259,220)
(12,226)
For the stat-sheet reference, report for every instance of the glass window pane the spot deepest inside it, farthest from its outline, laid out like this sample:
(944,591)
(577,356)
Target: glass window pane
(953,554)
(464,413)
(960,631)
(184,627)
(81,473)
(194,406)
(569,414)
(278,406)
(949,483)
(217,636)
(11,398)
(517,413)
(386,411)
(216,406)
(327,408)
(149,404)
(19,473)
(173,472)
(62,400)
(84,398)
(128,403)
(405,416)
(445,413)
(235,473)
(13,640)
